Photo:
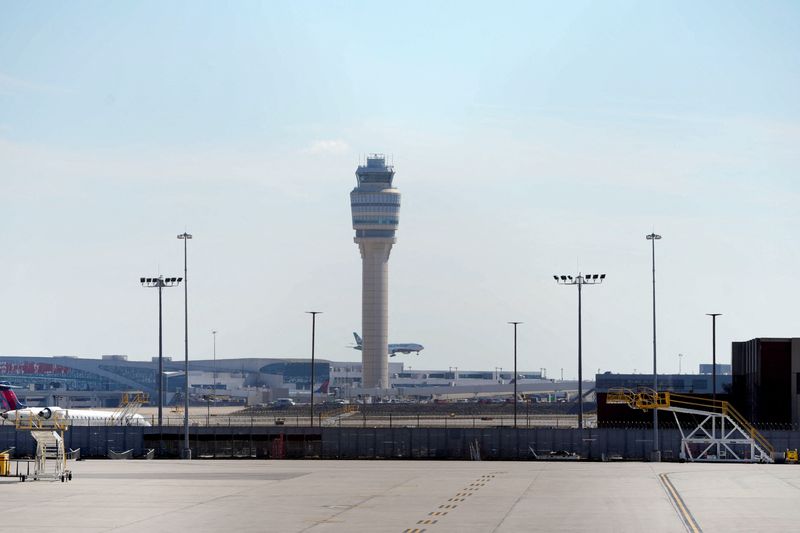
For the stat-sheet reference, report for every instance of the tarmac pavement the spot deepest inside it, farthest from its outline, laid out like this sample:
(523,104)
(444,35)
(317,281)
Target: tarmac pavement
(405,496)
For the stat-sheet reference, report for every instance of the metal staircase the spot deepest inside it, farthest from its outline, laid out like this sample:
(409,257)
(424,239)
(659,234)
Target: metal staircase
(51,456)
(129,404)
(722,434)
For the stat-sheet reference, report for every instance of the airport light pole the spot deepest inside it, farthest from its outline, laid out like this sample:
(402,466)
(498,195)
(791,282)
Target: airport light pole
(214,380)
(580,280)
(187,451)
(214,385)
(515,371)
(714,355)
(680,358)
(159,283)
(656,454)
(313,338)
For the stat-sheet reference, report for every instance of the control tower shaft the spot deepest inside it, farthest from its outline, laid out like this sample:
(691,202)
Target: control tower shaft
(375,207)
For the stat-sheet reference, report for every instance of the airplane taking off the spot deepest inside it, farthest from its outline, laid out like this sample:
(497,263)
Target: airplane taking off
(75,417)
(394,349)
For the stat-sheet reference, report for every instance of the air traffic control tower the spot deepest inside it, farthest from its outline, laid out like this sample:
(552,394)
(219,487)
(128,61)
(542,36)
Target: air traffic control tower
(375,205)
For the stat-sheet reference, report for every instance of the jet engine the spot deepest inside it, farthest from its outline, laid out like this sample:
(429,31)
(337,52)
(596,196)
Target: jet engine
(45,413)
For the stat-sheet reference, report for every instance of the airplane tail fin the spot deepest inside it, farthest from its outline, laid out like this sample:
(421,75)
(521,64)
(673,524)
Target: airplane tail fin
(323,389)
(8,399)
(358,339)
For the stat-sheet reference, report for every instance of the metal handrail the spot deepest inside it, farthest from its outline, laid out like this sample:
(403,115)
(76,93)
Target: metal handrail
(649,399)
(754,433)
(37,423)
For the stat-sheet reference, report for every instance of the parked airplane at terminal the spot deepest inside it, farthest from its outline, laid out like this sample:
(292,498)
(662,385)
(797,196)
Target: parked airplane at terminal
(394,349)
(75,417)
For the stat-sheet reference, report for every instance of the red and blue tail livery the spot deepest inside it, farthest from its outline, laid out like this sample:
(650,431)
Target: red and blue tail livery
(8,399)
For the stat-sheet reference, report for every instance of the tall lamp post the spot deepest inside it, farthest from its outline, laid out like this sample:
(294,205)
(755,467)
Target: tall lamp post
(214,386)
(714,355)
(213,396)
(187,451)
(680,358)
(159,283)
(313,336)
(580,280)
(656,453)
(515,371)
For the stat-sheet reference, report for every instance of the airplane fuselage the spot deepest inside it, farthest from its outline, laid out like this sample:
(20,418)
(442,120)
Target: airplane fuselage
(401,348)
(393,349)
(75,417)
(405,348)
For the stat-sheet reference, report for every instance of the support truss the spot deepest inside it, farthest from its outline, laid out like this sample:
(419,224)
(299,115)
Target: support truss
(722,434)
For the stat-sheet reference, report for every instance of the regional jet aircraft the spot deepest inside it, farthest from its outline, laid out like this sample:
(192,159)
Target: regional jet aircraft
(394,349)
(74,417)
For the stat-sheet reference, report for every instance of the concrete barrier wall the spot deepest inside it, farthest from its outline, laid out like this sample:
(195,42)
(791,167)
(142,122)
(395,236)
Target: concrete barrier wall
(367,443)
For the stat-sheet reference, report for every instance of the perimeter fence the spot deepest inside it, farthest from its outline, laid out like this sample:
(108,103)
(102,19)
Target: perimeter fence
(263,442)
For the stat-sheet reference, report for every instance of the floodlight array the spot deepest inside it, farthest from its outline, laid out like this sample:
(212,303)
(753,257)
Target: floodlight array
(160,282)
(580,279)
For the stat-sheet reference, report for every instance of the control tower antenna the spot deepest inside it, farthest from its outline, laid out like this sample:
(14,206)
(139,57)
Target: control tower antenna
(375,206)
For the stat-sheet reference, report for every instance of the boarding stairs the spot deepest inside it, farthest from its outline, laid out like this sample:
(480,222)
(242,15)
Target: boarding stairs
(129,405)
(722,433)
(51,455)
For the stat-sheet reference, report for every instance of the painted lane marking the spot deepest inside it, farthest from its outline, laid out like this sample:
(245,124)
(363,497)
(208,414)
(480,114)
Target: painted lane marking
(683,511)
(459,497)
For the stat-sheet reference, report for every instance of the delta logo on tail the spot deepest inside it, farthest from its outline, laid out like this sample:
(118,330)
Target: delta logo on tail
(323,389)
(394,349)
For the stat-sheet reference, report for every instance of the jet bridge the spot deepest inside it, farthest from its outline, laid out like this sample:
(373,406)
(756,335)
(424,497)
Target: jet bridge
(722,433)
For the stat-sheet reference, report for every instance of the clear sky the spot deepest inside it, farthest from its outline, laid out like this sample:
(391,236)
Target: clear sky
(529,139)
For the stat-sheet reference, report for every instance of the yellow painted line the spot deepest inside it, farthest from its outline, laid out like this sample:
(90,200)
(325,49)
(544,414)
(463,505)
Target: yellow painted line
(459,497)
(683,510)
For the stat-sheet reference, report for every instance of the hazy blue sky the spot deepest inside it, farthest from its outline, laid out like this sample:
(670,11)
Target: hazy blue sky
(529,139)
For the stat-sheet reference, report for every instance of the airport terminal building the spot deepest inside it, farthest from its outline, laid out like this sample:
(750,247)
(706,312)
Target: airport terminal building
(72,381)
(84,382)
